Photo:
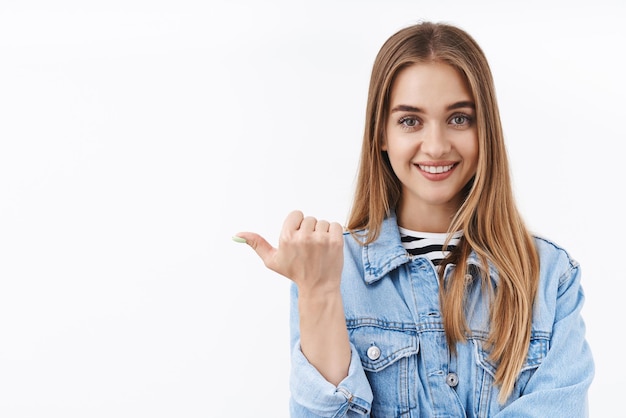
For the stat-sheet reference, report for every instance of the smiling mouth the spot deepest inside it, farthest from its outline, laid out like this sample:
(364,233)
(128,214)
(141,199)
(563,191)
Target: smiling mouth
(435,169)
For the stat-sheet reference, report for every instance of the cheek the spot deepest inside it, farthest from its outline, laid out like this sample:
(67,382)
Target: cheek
(473,156)
(398,153)
(401,143)
(470,152)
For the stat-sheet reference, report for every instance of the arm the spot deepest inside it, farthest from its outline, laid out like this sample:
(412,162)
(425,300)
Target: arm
(324,365)
(314,396)
(323,334)
(558,388)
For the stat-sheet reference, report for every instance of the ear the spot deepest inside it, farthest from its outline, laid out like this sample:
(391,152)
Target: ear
(383,143)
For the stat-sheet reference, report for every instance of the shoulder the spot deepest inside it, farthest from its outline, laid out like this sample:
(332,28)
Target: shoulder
(554,260)
(547,248)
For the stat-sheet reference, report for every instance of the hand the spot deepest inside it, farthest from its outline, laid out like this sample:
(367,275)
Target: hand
(310,252)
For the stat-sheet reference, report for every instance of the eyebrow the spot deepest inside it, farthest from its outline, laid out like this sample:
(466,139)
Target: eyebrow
(457,105)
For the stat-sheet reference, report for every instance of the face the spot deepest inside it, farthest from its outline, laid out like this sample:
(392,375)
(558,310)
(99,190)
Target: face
(432,143)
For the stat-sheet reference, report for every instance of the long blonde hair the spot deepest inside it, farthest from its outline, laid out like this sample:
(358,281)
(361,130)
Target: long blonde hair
(492,226)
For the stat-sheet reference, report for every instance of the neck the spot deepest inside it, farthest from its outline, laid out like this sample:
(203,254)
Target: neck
(425,218)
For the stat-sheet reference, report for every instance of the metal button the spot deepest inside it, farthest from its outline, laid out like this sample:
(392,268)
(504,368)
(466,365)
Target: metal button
(373,353)
(452,379)
(468,278)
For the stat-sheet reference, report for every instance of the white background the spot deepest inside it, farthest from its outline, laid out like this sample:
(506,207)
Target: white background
(136,137)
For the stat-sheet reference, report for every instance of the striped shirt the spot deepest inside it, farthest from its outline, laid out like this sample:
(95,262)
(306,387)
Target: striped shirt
(428,244)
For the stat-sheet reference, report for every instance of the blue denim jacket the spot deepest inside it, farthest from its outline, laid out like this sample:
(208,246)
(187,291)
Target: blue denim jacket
(401,365)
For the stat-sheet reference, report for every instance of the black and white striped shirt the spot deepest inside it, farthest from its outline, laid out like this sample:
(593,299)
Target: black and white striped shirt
(428,244)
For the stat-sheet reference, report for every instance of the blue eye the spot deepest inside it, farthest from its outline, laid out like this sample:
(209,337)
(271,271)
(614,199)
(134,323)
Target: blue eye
(461,120)
(408,121)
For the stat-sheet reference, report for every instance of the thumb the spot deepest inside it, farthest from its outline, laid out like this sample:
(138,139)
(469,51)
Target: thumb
(263,248)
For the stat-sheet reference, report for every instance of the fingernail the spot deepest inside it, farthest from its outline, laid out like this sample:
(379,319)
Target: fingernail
(239,239)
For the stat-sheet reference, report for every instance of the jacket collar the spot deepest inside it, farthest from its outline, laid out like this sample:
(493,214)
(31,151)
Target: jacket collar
(387,254)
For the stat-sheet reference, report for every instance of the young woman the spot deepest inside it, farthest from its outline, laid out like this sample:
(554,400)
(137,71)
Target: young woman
(436,301)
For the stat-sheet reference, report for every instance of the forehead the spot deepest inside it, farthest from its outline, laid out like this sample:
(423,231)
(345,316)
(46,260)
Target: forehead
(429,84)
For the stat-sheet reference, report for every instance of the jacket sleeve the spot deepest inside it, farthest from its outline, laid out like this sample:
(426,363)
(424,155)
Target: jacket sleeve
(314,396)
(559,386)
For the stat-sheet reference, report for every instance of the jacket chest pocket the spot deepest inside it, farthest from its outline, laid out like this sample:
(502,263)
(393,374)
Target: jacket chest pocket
(537,351)
(389,357)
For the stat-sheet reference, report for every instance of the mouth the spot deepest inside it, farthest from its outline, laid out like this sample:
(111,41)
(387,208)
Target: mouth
(436,169)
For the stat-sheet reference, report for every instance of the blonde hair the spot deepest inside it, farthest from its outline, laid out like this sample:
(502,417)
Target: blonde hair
(492,225)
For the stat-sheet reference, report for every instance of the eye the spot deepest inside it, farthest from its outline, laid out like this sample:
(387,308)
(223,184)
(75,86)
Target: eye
(408,122)
(461,119)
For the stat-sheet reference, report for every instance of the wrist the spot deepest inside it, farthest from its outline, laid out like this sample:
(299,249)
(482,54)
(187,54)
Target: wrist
(320,301)
(318,294)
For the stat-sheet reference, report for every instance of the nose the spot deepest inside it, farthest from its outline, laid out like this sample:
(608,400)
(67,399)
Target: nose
(434,142)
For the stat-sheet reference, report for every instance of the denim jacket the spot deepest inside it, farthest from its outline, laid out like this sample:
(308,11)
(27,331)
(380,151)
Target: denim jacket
(401,365)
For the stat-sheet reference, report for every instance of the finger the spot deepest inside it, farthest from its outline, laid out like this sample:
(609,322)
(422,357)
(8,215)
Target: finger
(335,228)
(293,220)
(308,224)
(263,248)
(322,226)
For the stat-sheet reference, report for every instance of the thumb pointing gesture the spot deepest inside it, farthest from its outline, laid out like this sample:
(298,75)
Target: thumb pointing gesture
(263,248)
(309,252)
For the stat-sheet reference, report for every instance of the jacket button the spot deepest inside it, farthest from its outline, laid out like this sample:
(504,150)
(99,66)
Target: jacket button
(373,353)
(452,379)
(468,278)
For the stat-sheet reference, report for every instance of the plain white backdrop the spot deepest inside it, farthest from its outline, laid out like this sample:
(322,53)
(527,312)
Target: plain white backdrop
(136,137)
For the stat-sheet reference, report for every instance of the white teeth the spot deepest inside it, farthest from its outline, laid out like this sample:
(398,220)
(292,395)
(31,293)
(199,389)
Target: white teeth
(435,169)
